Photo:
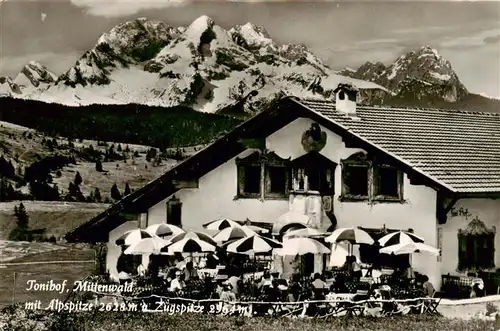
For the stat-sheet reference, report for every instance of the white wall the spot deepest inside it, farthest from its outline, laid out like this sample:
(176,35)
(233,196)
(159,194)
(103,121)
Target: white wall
(487,210)
(214,198)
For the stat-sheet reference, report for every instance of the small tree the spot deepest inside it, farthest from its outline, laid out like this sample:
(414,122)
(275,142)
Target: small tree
(115,192)
(20,232)
(78,179)
(127,189)
(98,166)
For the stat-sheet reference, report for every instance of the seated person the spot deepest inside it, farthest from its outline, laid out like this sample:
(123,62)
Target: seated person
(177,283)
(477,290)
(227,294)
(141,271)
(190,273)
(235,283)
(356,269)
(125,268)
(266,281)
(319,287)
(428,287)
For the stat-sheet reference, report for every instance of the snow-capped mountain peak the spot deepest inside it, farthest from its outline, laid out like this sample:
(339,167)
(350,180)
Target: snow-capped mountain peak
(413,73)
(252,36)
(198,27)
(35,74)
(202,66)
(126,44)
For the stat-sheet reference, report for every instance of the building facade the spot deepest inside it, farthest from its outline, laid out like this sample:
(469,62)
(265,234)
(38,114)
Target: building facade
(341,165)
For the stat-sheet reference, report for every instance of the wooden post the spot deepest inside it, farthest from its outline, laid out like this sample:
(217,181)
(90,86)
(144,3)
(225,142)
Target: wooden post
(14,290)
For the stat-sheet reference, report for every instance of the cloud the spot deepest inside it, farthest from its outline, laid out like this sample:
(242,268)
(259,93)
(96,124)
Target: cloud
(43,16)
(55,62)
(116,8)
(474,40)
(492,39)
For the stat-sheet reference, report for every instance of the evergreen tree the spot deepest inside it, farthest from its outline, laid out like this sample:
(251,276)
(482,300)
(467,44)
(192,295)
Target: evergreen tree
(78,179)
(127,149)
(127,190)
(20,232)
(115,193)
(119,148)
(97,195)
(98,166)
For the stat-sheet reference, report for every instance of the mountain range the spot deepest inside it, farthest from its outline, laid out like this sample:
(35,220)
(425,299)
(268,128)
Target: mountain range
(210,69)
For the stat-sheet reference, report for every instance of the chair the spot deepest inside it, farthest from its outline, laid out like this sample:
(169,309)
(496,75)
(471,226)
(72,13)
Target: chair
(430,306)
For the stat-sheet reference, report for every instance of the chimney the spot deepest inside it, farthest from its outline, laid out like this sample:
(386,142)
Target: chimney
(345,99)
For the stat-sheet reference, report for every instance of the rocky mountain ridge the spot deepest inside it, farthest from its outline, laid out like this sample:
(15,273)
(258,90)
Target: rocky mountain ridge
(422,73)
(211,69)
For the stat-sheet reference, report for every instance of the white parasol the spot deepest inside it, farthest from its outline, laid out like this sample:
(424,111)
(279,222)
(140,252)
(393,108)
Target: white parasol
(301,246)
(132,237)
(164,230)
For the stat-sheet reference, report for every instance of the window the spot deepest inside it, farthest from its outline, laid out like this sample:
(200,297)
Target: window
(262,176)
(387,183)
(277,180)
(476,247)
(363,179)
(251,179)
(356,180)
(314,172)
(174,212)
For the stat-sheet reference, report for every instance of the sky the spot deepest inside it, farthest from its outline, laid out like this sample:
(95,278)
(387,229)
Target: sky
(342,33)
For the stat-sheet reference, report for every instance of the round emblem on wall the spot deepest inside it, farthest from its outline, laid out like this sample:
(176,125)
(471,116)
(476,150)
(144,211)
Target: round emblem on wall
(314,139)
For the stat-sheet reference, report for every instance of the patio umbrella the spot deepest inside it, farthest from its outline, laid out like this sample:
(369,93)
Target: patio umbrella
(401,242)
(132,237)
(231,233)
(164,230)
(146,246)
(254,244)
(293,217)
(409,248)
(256,228)
(221,224)
(396,238)
(351,235)
(190,243)
(338,256)
(227,223)
(301,246)
(191,234)
(305,232)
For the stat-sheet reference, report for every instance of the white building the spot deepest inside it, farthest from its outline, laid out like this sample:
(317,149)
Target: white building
(436,172)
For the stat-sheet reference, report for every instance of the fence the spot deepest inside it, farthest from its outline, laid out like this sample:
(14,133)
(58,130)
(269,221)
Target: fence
(339,306)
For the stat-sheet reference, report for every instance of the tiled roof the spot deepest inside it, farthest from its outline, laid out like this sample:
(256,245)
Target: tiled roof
(459,149)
